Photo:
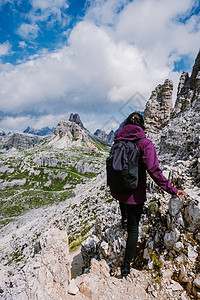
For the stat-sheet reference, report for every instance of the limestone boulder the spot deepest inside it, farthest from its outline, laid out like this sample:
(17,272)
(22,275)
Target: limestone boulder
(158,110)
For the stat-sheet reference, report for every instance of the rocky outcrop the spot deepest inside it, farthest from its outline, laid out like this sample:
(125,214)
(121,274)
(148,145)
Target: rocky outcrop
(67,134)
(41,132)
(103,136)
(19,141)
(168,239)
(68,128)
(46,275)
(180,139)
(188,93)
(76,119)
(158,110)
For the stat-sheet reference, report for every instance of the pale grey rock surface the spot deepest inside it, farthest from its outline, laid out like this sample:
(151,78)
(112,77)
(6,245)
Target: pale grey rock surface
(103,136)
(158,110)
(19,141)
(76,119)
(46,275)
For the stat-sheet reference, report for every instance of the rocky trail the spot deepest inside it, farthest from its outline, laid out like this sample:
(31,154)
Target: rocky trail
(140,284)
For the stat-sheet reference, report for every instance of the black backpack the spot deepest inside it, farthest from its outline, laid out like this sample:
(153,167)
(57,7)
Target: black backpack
(122,166)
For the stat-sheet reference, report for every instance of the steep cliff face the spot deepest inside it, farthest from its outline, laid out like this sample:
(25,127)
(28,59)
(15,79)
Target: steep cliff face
(76,119)
(158,109)
(180,138)
(188,94)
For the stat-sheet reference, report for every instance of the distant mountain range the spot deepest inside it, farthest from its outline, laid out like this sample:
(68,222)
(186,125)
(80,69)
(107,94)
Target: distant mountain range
(40,132)
(99,134)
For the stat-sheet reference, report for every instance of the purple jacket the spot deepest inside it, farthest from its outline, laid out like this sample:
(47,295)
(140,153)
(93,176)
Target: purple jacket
(148,161)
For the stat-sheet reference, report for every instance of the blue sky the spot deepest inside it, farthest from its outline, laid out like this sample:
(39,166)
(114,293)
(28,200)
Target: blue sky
(89,57)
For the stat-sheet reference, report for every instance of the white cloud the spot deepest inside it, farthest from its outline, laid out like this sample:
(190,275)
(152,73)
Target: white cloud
(14,124)
(22,44)
(52,5)
(5,48)
(21,123)
(48,120)
(93,69)
(43,9)
(103,66)
(103,12)
(28,31)
(47,11)
(152,24)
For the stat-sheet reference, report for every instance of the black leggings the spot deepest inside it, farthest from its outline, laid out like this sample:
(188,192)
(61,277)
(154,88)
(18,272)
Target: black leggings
(132,213)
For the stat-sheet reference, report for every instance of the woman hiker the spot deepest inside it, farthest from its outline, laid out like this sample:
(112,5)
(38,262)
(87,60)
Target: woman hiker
(131,203)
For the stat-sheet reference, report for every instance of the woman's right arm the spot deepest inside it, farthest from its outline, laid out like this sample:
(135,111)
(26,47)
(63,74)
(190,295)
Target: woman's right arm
(151,163)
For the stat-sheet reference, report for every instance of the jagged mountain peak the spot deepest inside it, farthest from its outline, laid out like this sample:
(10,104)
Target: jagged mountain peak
(103,136)
(76,119)
(196,67)
(2,133)
(188,90)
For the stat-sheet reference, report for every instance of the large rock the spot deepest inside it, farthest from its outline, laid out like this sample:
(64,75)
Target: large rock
(47,274)
(76,119)
(71,129)
(171,238)
(108,240)
(158,110)
(192,210)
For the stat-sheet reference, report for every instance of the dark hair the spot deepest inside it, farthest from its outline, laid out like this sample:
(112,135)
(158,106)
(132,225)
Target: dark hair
(135,119)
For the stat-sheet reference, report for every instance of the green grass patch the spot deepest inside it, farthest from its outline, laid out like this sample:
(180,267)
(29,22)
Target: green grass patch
(76,243)
(18,204)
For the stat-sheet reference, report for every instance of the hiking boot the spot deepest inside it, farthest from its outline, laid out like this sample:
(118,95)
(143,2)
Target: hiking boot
(125,270)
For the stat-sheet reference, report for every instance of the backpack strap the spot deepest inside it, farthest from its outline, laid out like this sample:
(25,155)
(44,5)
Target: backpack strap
(137,141)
